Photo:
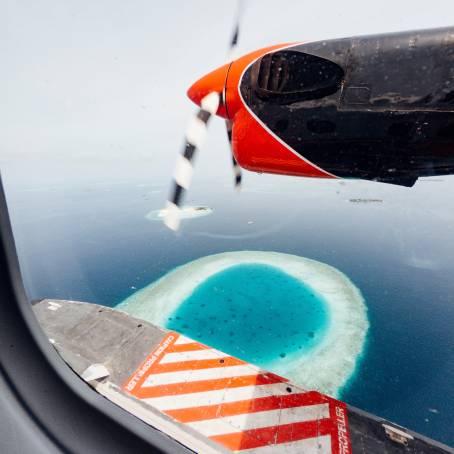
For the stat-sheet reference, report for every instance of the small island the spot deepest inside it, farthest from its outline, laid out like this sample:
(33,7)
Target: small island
(186,212)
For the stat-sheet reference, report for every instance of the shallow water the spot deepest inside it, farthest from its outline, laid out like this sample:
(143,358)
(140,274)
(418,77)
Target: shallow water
(230,309)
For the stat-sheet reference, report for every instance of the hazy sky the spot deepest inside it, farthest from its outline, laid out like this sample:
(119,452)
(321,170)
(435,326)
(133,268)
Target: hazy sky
(106,79)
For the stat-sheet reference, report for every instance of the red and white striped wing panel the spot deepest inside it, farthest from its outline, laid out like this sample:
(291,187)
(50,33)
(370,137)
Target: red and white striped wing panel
(236,404)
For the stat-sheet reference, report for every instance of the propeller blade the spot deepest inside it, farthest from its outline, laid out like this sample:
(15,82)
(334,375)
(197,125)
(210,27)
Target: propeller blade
(236,167)
(228,123)
(236,31)
(194,138)
(195,135)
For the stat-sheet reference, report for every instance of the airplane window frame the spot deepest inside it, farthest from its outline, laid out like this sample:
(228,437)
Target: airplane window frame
(57,410)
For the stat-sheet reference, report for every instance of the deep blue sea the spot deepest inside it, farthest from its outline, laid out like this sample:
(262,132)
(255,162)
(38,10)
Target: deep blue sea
(255,312)
(88,239)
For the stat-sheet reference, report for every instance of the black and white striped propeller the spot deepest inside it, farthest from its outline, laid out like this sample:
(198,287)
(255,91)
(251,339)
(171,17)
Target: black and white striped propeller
(194,138)
(228,123)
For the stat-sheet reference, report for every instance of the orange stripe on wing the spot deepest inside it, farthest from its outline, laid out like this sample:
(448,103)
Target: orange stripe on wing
(256,438)
(215,411)
(197,364)
(178,348)
(136,380)
(246,406)
(208,385)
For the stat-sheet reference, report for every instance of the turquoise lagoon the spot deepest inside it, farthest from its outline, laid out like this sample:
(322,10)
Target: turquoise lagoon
(291,315)
(255,312)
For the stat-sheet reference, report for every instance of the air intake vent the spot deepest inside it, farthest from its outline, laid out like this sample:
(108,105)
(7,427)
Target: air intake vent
(273,73)
(295,76)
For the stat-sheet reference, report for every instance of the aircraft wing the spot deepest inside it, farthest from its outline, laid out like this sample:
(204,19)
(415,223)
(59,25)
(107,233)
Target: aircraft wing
(206,399)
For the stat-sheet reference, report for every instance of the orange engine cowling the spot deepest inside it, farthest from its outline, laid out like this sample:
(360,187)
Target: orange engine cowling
(254,146)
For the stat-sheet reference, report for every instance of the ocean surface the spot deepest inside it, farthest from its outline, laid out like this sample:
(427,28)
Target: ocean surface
(255,312)
(91,241)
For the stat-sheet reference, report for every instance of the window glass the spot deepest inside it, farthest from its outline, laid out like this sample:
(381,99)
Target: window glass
(94,112)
